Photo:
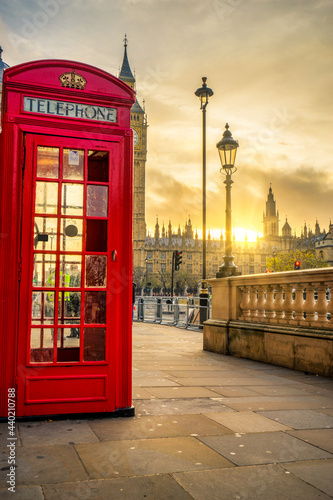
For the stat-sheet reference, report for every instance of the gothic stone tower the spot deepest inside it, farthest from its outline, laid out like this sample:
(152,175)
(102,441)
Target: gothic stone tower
(271,220)
(139,127)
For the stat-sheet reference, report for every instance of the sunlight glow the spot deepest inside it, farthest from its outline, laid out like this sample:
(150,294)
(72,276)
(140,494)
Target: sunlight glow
(239,232)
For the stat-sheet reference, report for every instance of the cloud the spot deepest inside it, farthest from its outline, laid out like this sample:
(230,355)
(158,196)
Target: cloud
(268,63)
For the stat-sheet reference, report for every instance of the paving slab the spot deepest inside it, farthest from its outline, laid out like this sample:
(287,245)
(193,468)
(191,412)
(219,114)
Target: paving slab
(263,448)
(45,464)
(155,382)
(300,419)
(322,438)
(177,406)
(268,482)
(156,426)
(327,411)
(148,456)
(56,432)
(233,391)
(137,374)
(181,392)
(247,422)
(22,493)
(281,390)
(316,472)
(225,381)
(276,404)
(141,393)
(161,487)
(203,374)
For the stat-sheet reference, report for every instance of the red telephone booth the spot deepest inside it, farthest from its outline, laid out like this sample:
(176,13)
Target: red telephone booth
(66,240)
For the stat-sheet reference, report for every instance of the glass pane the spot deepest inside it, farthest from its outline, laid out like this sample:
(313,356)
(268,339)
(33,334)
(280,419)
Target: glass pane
(47,162)
(72,199)
(42,311)
(41,343)
(72,307)
(44,267)
(94,344)
(96,236)
(98,166)
(45,233)
(73,164)
(46,197)
(95,308)
(71,266)
(68,345)
(96,270)
(97,201)
(71,235)
(69,306)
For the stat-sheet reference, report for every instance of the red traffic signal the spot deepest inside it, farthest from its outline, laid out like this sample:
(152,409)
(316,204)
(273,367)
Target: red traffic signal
(297,264)
(178,259)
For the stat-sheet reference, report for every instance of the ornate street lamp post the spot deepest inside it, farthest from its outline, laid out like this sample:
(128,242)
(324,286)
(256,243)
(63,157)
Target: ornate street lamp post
(204,93)
(227,148)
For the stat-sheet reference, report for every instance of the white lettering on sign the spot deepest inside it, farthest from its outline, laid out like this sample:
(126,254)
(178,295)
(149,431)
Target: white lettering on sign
(69,109)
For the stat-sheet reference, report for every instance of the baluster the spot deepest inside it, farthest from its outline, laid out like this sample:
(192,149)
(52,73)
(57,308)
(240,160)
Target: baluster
(330,309)
(298,303)
(269,303)
(288,304)
(278,303)
(253,304)
(309,304)
(321,306)
(261,303)
(244,305)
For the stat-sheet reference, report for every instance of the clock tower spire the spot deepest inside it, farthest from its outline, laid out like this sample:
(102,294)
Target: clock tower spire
(139,126)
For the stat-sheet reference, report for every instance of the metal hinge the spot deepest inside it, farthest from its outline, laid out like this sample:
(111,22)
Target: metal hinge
(19,268)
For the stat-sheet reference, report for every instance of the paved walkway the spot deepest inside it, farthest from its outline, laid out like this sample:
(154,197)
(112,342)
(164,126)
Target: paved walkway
(206,427)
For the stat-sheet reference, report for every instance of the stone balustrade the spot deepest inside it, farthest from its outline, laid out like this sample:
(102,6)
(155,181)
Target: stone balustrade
(295,298)
(278,318)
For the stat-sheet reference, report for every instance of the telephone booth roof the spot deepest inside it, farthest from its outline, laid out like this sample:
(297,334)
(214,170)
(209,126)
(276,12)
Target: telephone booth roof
(51,74)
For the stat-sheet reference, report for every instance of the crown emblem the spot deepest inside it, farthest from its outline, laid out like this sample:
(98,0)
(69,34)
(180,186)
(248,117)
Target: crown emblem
(72,80)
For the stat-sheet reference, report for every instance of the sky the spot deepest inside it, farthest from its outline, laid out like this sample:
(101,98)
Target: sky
(270,65)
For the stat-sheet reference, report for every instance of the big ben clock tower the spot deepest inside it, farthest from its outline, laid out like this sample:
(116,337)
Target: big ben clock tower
(139,127)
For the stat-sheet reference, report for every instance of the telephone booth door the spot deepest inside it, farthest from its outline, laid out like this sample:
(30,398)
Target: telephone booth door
(70,281)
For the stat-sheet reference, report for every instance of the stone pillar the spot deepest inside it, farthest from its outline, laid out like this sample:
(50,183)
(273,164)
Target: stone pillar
(278,304)
(261,303)
(270,303)
(253,303)
(321,306)
(288,304)
(309,305)
(298,304)
(245,303)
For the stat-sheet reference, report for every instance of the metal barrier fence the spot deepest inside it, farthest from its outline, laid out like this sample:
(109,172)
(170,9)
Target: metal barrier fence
(183,312)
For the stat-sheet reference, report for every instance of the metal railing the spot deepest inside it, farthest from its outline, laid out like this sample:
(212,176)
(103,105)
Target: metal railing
(183,312)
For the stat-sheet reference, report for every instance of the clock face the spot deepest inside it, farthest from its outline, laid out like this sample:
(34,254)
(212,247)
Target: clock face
(135,137)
